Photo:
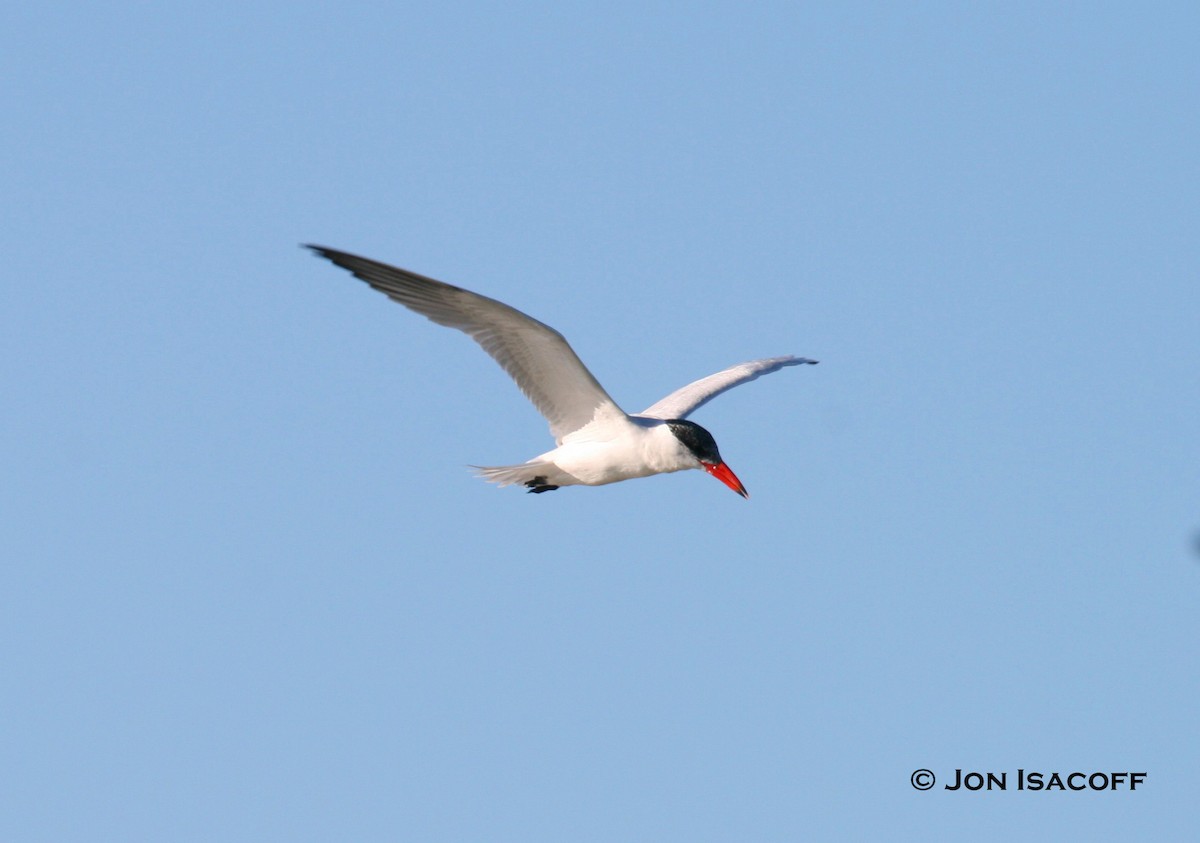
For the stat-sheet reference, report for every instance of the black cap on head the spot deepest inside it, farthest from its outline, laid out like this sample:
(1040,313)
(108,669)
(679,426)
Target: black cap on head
(704,448)
(697,440)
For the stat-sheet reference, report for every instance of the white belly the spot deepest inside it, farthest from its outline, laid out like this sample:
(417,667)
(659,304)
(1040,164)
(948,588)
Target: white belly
(637,449)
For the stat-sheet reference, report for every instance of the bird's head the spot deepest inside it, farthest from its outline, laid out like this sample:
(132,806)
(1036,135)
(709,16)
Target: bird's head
(703,447)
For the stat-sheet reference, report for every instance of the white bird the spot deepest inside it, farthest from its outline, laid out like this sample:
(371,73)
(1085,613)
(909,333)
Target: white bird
(597,442)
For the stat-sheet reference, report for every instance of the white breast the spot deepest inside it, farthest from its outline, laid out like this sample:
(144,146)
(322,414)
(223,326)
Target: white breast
(608,454)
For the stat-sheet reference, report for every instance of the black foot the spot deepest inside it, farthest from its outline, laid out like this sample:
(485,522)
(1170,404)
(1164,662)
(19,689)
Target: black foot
(538,485)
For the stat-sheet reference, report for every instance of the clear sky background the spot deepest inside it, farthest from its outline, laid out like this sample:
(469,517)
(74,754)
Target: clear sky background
(250,591)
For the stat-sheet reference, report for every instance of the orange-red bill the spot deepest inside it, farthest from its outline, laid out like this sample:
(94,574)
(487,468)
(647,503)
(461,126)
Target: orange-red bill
(722,473)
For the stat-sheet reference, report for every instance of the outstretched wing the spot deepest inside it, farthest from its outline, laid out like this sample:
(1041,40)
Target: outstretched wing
(683,402)
(535,355)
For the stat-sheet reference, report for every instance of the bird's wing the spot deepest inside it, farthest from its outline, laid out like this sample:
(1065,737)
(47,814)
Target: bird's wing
(536,356)
(683,402)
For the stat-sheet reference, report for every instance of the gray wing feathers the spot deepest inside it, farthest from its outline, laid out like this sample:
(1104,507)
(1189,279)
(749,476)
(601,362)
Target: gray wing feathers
(535,355)
(683,402)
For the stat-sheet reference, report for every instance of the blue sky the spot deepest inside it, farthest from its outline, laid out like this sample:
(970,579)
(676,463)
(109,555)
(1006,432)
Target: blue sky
(251,592)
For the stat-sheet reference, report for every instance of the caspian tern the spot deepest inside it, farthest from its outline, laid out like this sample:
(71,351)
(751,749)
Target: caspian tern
(597,441)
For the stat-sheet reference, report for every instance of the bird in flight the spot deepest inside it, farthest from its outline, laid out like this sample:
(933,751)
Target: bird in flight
(596,441)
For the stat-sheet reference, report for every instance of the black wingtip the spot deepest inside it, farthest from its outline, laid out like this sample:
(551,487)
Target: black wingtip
(335,256)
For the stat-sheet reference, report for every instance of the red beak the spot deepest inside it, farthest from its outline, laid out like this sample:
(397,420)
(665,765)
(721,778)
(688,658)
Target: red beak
(722,473)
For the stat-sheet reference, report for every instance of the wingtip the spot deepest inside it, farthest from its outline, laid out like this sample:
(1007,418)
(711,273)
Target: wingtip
(333,255)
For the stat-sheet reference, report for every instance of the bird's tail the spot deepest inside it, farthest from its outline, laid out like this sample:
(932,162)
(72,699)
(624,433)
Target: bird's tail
(536,476)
